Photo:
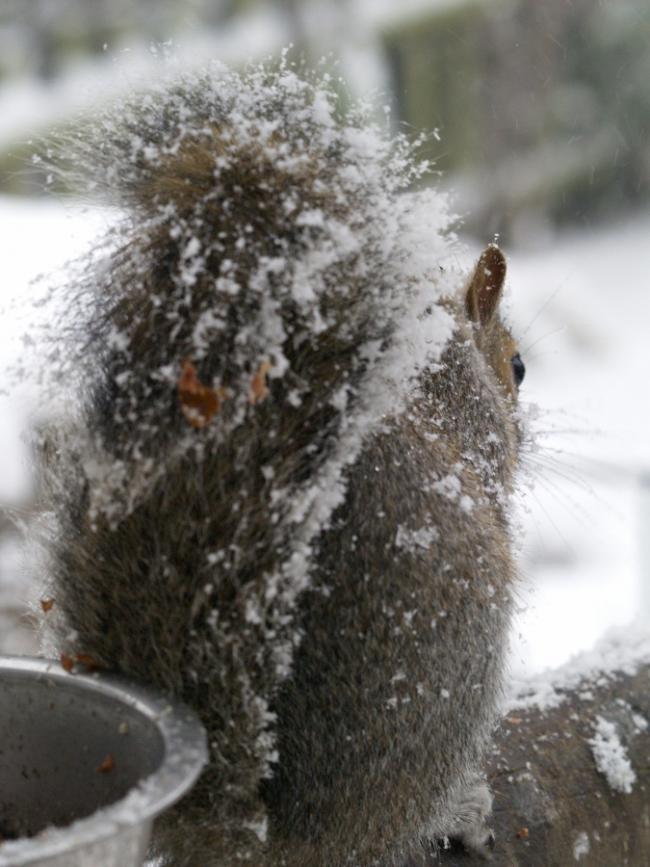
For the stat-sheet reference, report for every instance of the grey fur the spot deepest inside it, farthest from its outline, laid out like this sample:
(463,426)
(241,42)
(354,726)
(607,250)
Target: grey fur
(397,641)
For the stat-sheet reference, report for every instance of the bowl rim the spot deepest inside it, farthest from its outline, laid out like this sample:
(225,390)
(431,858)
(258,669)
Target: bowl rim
(184,757)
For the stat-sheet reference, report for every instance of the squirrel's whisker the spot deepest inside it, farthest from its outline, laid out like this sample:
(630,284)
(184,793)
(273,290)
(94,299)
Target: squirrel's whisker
(526,349)
(541,309)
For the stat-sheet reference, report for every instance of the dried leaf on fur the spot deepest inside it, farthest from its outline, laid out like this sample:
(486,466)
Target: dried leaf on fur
(199,402)
(259,390)
(47,604)
(67,662)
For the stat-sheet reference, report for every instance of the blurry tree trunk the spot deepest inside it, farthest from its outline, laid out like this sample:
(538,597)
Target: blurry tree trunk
(313,38)
(552,806)
(44,42)
(291,10)
(218,12)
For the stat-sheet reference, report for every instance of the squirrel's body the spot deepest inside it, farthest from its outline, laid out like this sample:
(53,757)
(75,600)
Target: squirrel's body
(322,572)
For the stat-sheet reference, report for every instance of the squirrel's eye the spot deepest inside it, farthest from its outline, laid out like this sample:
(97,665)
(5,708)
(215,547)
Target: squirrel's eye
(518,369)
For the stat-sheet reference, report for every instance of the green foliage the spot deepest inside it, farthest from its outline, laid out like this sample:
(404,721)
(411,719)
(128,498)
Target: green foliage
(509,81)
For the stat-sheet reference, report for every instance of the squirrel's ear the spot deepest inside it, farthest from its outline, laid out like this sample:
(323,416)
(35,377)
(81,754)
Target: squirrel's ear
(486,286)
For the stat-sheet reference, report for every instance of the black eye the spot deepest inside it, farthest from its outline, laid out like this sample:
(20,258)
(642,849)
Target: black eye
(518,369)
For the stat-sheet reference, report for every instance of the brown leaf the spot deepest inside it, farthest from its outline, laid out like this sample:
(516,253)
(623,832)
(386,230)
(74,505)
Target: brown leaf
(67,662)
(199,402)
(259,390)
(523,833)
(106,765)
(47,604)
(87,661)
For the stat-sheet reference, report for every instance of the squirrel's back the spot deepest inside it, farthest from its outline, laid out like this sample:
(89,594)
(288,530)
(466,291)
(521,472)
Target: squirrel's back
(283,499)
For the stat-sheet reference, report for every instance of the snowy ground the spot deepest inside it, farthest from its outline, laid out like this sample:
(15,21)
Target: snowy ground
(580,304)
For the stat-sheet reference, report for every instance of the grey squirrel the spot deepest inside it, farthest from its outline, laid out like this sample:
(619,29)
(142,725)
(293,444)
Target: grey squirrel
(284,496)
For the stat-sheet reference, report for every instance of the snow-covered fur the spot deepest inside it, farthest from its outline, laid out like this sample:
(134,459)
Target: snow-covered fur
(283,496)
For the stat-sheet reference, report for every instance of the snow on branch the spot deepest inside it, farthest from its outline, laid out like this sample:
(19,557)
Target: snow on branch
(570,769)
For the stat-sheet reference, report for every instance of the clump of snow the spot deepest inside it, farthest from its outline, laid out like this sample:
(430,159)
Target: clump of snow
(411,540)
(611,757)
(581,845)
(259,828)
(448,486)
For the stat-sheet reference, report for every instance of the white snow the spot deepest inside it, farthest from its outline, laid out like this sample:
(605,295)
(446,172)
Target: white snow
(260,828)
(622,649)
(449,486)
(410,539)
(581,845)
(38,237)
(611,757)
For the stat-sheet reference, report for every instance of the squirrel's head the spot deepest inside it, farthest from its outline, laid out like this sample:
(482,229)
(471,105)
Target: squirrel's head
(482,300)
(479,377)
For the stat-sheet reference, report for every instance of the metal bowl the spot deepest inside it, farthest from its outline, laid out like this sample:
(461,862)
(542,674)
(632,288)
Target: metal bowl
(87,761)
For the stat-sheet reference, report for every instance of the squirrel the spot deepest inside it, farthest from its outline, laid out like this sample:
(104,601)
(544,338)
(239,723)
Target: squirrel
(283,496)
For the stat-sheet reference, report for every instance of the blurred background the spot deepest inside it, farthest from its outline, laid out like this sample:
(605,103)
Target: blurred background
(537,118)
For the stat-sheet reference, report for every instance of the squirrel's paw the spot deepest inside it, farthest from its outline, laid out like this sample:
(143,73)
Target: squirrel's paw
(470,825)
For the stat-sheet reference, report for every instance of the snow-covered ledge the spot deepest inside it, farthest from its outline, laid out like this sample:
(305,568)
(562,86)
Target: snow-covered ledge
(571,766)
